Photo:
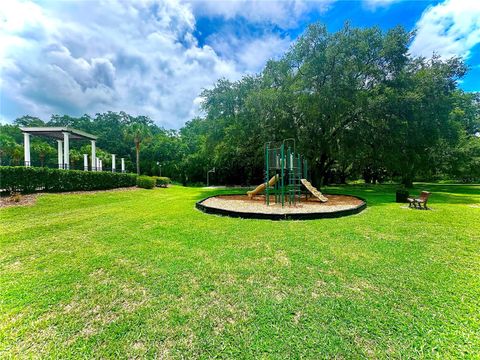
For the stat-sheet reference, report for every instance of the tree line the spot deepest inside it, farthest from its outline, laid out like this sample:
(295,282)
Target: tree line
(356,102)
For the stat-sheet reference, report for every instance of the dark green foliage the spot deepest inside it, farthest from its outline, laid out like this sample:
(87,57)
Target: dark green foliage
(356,102)
(28,180)
(146,182)
(162,181)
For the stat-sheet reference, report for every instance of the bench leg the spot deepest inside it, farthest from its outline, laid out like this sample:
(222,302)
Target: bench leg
(422,206)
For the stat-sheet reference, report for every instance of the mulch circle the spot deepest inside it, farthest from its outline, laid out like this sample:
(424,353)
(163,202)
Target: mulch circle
(242,206)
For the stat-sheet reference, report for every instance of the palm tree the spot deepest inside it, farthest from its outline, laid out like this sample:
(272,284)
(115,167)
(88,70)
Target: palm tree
(138,133)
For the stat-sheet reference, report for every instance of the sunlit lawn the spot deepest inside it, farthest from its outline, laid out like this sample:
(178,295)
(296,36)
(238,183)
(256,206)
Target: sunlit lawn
(142,273)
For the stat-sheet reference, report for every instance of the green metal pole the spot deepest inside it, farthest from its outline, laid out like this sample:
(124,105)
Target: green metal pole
(282,151)
(287,172)
(291,177)
(298,176)
(275,186)
(267,197)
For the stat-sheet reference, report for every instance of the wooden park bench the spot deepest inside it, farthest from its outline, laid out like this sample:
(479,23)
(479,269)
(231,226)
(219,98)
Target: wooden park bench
(418,202)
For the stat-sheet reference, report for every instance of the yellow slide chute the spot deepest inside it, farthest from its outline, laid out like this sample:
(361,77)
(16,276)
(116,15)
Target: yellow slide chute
(261,187)
(313,190)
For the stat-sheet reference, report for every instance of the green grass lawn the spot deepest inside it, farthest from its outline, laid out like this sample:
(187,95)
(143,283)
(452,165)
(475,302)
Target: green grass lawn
(141,273)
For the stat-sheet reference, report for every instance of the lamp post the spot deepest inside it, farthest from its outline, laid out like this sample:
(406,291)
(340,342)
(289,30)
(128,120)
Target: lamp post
(160,168)
(208,178)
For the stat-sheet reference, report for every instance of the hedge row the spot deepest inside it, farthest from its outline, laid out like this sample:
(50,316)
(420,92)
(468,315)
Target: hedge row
(162,181)
(149,182)
(146,182)
(31,179)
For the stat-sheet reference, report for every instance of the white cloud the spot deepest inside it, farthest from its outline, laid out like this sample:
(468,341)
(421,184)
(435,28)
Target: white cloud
(451,28)
(140,57)
(250,53)
(376,4)
(284,13)
(254,53)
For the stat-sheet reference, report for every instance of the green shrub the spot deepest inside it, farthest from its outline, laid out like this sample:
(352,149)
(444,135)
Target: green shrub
(146,182)
(162,181)
(31,179)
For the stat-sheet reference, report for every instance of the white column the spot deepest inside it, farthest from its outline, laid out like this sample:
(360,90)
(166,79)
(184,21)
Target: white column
(97,164)
(26,148)
(60,153)
(94,156)
(66,150)
(113,163)
(123,165)
(100,164)
(85,162)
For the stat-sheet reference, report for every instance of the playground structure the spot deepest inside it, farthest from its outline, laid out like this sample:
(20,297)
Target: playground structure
(285,172)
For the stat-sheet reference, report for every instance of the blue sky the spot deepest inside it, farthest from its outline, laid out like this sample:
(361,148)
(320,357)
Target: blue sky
(154,57)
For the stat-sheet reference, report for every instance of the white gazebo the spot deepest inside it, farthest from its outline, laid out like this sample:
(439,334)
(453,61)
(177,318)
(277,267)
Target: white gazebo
(63,135)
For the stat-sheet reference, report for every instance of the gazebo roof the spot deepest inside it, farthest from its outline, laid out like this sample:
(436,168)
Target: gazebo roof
(57,132)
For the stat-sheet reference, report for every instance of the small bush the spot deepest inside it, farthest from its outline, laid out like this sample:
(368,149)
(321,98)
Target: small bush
(162,181)
(30,179)
(146,182)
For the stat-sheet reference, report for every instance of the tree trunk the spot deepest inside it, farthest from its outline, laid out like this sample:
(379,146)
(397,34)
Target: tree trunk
(407,177)
(42,159)
(137,148)
(367,175)
(319,172)
(407,181)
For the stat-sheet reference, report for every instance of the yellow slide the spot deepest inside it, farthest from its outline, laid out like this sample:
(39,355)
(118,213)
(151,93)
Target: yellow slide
(261,187)
(313,190)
